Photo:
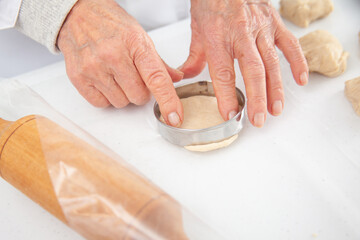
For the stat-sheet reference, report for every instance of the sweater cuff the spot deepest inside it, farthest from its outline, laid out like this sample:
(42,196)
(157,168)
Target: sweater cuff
(42,20)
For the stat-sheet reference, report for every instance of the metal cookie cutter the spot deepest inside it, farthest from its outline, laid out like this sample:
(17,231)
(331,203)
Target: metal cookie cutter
(186,137)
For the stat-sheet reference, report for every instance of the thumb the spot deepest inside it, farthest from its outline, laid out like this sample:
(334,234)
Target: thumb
(196,60)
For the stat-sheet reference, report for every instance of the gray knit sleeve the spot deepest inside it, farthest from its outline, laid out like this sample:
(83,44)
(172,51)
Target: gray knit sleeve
(41,20)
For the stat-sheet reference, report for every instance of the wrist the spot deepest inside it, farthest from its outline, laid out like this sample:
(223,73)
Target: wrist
(69,21)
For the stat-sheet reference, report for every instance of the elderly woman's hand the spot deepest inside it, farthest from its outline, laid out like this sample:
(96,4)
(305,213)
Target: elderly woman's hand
(247,30)
(111,60)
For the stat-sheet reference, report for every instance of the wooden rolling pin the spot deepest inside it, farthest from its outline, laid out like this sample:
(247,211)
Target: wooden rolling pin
(92,193)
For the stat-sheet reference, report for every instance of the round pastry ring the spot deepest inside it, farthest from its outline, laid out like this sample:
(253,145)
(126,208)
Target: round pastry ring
(187,137)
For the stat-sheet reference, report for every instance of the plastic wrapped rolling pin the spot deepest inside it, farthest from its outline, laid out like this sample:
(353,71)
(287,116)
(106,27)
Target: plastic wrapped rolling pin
(81,182)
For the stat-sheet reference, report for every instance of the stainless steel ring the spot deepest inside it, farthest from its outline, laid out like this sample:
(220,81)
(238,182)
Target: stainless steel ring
(186,137)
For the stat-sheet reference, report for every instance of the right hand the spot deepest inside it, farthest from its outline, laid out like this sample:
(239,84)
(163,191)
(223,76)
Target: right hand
(111,60)
(247,30)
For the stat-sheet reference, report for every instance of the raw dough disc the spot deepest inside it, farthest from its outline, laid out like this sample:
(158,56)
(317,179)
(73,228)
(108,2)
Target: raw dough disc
(352,92)
(324,53)
(202,112)
(303,12)
(212,146)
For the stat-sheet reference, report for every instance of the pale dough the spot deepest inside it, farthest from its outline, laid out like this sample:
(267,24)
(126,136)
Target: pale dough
(352,92)
(212,146)
(303,12)
(202,112)
(324,53)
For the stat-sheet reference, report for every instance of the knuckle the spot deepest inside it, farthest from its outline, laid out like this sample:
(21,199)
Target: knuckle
(254,64)
(194,54)
(258,85)
(271,57)
(156,83)
(141,99)
(166,100)
(117,99)
(135,37)
(257,79)
(255,70)
(241,22)
(94,97)
(225,76)
(292,43)
(138,42)
(156,79)
(98,101)
(107,84)
(277,90)
(298,59)
(121,104)
(228,98)
(274,81)
(257,100)
(292,40)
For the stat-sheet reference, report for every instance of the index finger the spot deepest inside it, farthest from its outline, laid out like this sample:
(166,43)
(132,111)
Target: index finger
(221,67)
(156,77)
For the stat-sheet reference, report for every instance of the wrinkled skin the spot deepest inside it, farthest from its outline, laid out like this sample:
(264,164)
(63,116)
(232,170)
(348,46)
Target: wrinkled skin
(247,31)
(112,61)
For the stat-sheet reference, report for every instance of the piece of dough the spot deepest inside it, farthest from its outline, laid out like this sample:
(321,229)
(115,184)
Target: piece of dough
(202,112)
(352,92)
(303,12)
(324,53)
(212,146)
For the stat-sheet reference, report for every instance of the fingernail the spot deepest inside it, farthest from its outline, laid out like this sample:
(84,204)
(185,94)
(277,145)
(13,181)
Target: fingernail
(174,119)
(178,68)
(277,107)
(259,120)
(304,78)
(232,114)
(179,72)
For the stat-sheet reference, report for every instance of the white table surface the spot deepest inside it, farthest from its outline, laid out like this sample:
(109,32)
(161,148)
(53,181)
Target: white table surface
(296,178)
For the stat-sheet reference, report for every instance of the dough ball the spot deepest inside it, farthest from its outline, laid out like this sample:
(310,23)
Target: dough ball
(303,12)
(352,92)
(324,53)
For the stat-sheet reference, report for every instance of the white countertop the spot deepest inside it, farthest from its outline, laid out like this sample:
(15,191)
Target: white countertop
(296,178)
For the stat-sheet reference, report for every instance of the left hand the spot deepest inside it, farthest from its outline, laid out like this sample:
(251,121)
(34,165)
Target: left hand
(247,30)
(111,60)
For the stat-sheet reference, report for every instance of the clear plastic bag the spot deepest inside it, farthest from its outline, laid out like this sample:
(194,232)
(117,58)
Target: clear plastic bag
(79,180)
